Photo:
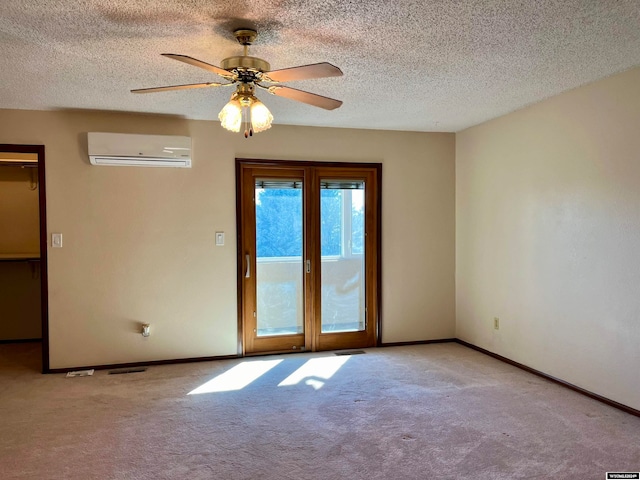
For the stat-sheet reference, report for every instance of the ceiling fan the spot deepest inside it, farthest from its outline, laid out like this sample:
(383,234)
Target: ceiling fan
(247,73)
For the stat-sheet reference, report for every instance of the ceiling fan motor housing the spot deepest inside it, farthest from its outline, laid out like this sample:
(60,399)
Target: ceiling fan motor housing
(245,63)
(245,66)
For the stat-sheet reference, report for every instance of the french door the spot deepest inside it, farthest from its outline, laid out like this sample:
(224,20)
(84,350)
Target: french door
(308,255)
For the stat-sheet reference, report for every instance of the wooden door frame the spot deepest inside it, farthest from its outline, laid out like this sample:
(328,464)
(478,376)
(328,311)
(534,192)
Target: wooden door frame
(328,341)
(257,163)
(42,212)
(248,229)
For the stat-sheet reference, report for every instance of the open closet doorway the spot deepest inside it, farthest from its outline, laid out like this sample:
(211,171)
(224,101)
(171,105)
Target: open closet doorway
(308,255)
(23,247)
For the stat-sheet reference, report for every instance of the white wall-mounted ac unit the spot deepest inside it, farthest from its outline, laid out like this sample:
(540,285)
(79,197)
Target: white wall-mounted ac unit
(126,149)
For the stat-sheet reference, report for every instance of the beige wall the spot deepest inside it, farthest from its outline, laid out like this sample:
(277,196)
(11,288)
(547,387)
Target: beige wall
(548,236)
(19,281)
(139,242)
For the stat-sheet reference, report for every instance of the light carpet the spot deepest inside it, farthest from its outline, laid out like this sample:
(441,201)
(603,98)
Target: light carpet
(419,412)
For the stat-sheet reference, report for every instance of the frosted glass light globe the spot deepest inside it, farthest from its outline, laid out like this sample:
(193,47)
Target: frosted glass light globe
(231,116)
(261,117)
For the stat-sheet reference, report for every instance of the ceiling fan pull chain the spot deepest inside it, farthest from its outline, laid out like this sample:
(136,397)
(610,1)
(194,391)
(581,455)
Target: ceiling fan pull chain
(245,113)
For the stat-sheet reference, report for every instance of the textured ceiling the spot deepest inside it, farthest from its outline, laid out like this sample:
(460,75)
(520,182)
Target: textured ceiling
(421,65)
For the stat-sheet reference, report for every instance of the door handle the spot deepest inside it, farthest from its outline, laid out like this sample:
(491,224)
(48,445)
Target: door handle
(247,270)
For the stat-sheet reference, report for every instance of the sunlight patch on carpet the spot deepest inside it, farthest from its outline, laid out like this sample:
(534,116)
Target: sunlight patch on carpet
(237,377)
(315,372)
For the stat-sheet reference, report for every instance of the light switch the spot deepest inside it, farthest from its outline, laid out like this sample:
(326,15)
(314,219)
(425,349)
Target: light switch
(219,239)
(56,240)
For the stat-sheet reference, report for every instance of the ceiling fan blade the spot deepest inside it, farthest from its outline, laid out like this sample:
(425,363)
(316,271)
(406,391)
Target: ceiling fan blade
(199,63)
(178,87)
(305,97)
(304,72)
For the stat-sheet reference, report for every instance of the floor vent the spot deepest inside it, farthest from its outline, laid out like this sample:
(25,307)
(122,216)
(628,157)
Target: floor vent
(127,370)
(351,352)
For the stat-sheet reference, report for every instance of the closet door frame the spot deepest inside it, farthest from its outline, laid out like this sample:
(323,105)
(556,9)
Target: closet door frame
(42,212)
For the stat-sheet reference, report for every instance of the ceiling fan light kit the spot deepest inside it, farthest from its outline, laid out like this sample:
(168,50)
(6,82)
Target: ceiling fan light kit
(247,73)
(244,105)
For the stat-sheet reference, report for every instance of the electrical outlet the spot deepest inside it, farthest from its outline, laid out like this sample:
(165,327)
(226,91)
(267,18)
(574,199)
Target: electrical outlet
(496,323)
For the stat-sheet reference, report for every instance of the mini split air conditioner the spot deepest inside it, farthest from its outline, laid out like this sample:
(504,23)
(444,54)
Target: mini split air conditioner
(125,149)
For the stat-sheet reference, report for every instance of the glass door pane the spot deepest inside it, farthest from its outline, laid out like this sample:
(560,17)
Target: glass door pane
(342,242)
(279,265)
